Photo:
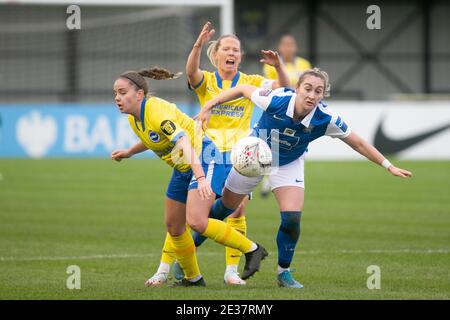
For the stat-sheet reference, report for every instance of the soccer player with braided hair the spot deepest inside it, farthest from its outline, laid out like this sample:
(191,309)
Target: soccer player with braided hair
(196,179)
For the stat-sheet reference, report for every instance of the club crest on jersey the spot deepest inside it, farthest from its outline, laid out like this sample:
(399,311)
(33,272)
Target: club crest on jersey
(264,93)
(168,127)
(289,132)
(154,136)
(210,89)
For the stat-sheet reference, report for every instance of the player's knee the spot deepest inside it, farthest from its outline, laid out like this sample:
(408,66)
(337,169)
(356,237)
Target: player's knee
(231,200)
(175,229)
(290,223)
(239,212)
(198,225)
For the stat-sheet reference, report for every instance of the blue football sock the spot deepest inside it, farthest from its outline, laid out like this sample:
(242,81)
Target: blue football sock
(287,237)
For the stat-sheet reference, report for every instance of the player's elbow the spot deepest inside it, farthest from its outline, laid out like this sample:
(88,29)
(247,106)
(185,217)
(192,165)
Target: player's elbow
(354,141)
(245,90)
(359,144)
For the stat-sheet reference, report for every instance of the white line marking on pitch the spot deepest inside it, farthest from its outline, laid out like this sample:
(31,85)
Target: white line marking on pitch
(151,255)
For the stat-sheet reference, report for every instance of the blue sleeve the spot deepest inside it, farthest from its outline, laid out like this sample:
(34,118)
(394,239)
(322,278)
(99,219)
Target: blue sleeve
(278,104)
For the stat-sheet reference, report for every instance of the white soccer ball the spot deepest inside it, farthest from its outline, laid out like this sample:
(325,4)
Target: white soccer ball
(251,157)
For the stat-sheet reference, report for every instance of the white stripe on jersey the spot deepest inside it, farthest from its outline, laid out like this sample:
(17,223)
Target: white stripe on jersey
(263,97)
(335,130)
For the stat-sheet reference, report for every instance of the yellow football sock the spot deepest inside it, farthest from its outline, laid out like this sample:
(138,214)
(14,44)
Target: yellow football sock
(222,233)
(184,249)
(168,254)
(232,256)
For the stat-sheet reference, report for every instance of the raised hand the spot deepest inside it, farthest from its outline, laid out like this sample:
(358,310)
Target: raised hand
(270,57)
(205,35)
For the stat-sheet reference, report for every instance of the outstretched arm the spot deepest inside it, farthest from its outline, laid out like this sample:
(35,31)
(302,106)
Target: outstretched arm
(370,152)
(243,90)
(193,72)
(239,91)
(118,155)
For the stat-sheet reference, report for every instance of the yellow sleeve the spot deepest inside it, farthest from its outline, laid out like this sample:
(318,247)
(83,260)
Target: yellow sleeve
(255,80)
(270,72)
(199,88)
(166,121)
(258,81)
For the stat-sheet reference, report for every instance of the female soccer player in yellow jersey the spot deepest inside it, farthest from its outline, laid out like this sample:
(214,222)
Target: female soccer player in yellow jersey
(195,182)
(229,122)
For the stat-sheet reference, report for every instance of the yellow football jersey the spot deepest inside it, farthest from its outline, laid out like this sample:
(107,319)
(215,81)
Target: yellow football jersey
(229,121)
(294,70)
(161,125)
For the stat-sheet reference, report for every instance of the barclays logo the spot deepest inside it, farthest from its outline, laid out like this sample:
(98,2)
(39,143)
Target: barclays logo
(36,133)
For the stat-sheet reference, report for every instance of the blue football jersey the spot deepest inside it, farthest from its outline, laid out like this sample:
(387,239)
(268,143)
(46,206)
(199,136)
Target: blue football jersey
(289,139)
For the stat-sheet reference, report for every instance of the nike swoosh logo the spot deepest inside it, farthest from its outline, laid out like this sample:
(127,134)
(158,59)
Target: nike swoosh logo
(278,118)
(387,145)
(296,180)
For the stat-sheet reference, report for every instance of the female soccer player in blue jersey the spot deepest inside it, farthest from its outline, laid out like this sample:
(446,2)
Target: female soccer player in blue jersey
(290,121)
(228,124)
(195,182)
(295,66)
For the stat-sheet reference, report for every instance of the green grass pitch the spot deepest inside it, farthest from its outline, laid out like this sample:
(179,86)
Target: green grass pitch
(107,218)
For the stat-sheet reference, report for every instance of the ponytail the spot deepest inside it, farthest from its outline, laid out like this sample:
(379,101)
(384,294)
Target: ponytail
(157,73)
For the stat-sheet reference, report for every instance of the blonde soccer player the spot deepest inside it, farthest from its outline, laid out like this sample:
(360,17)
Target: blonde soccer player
(295,66)
(291,119)
(228,124)
(195,182)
